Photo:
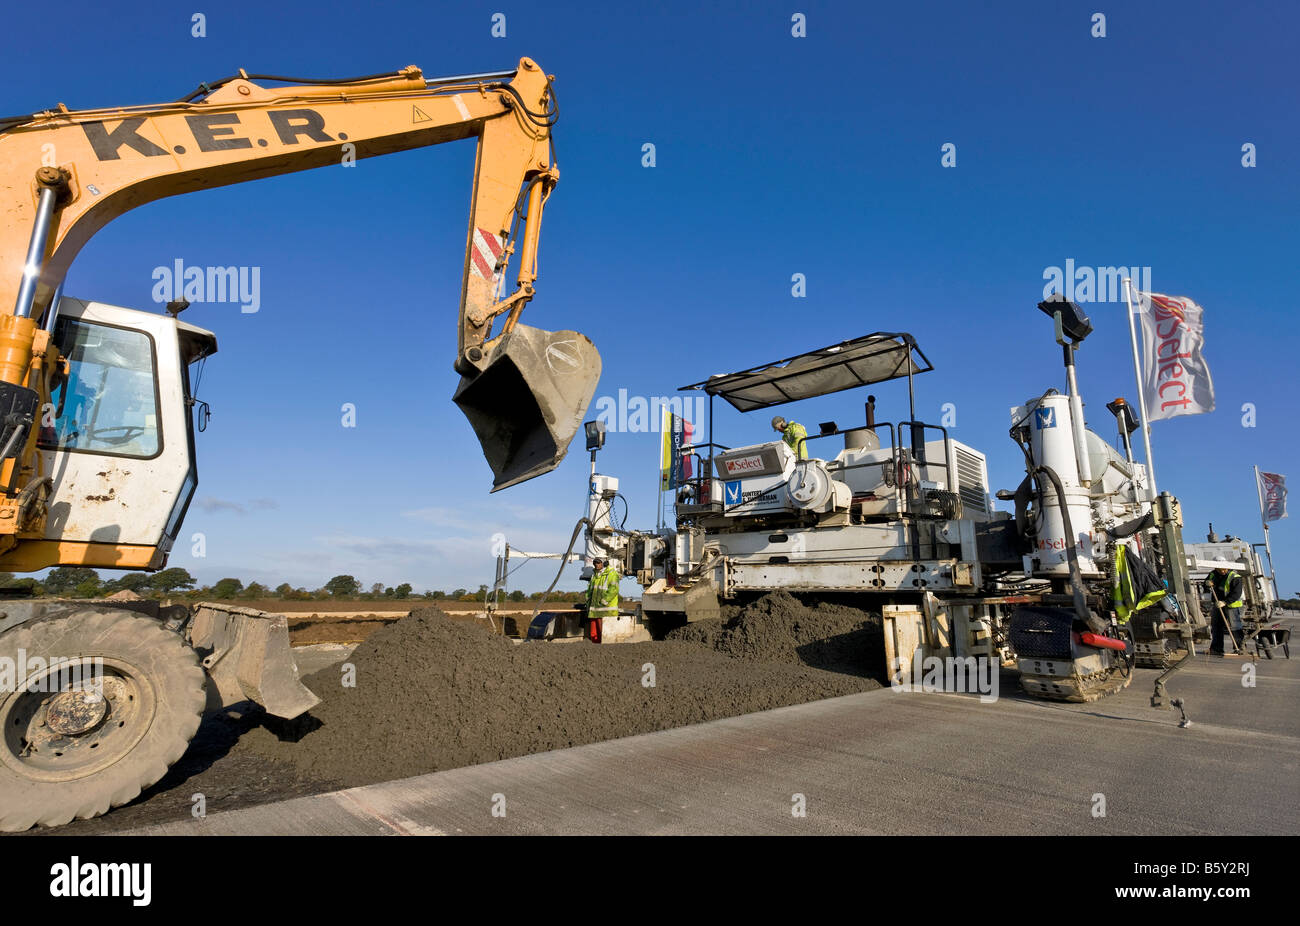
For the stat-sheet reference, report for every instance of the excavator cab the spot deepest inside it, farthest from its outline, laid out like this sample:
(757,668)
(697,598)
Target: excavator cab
(118,447)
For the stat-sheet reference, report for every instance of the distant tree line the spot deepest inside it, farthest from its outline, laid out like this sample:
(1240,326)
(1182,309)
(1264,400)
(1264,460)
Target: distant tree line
(82,582)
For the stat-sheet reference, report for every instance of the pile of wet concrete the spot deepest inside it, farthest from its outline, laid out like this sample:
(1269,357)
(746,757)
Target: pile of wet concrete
(427,693)
(779,627)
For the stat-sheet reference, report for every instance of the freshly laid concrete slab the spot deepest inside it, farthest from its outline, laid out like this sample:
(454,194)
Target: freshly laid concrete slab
(312,657)
(884,762)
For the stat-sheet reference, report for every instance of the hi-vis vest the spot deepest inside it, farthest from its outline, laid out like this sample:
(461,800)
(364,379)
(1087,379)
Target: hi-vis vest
(794,435)
(602,593)
(1226,589)
(1131,595)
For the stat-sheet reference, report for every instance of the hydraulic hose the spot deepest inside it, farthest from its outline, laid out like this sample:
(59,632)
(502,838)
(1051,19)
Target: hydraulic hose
(1129,528)
(564,561)
(1071,553)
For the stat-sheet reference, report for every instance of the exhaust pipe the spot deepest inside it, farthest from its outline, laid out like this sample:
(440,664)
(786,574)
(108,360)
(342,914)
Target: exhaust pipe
(528,399)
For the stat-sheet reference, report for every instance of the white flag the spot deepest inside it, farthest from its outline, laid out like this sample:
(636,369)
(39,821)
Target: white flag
(1175,377)
(1272,489)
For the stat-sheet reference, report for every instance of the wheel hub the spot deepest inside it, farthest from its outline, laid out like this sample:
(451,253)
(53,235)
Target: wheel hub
(71,713)
(60,735)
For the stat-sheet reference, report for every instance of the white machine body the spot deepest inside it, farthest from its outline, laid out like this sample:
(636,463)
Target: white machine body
(1052,445)
(600,532)
(764,479)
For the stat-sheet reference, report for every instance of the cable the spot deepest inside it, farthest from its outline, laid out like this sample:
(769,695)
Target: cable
(9,122)
(541,120)
(564,561)
(1071,553)
(208,86)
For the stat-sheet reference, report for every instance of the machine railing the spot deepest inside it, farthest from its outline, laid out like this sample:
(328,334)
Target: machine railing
(699,487)
(889,468)
(903,472)
(898,469)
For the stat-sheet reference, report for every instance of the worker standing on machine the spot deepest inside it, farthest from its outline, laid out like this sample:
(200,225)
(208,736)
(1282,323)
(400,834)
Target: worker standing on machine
(602,596)
(1225,589)
(794,434)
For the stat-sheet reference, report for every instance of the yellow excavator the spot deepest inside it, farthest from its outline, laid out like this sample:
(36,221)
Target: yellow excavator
(98,411)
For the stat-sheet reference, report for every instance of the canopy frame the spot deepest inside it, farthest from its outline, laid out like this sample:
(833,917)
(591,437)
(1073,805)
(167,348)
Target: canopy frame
(782,375)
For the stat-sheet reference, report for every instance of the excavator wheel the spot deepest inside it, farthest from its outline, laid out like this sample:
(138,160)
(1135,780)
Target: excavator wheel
(95,707)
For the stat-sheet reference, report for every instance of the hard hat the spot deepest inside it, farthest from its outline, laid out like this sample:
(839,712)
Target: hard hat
(778,423)
(1220,559)
(598,561)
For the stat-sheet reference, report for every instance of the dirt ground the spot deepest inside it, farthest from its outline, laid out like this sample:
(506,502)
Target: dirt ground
(226,781)
(349,627)
(329,606)
(433,693)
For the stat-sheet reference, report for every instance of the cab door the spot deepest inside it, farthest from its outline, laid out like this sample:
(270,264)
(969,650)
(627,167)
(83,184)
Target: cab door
(119,451)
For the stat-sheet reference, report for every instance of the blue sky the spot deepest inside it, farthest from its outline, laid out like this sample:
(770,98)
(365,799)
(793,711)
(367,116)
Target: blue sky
(775,155)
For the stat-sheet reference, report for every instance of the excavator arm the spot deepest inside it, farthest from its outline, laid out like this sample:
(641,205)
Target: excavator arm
(65,174)
(82,488)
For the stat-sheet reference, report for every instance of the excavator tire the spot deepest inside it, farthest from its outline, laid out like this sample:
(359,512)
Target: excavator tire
(94,707)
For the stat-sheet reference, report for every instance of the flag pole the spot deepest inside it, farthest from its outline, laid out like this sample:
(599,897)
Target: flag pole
(659,480)
(1263,519)
(1142,401)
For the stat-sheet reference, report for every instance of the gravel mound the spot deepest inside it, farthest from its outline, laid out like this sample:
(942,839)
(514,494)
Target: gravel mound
(780,628)
(435,694)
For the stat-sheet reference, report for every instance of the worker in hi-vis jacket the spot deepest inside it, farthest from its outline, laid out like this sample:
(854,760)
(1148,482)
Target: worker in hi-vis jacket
(794,434)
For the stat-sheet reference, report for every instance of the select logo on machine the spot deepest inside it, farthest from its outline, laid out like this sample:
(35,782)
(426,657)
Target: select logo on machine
(76,878)
(744,464)
(953,674)
(1044,418)
(1085,544)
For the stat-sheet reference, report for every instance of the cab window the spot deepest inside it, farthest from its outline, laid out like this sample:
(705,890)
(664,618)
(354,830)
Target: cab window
(109,403)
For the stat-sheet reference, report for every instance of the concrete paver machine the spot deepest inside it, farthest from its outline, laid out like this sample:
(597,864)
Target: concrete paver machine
(898,514)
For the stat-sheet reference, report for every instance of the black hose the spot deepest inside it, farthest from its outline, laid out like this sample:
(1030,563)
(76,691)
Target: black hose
(208,86)
(541,120)
(10,122)
(1129,528)
(564,561)
(1071,553)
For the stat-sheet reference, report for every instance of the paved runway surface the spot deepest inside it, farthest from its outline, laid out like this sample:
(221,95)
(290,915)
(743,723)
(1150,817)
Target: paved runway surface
(883,762)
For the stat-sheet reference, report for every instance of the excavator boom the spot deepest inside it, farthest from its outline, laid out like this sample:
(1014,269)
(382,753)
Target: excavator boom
(86,479)
(65,174)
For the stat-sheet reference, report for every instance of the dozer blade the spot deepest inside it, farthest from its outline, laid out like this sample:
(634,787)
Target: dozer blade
(528,400)
(247,656)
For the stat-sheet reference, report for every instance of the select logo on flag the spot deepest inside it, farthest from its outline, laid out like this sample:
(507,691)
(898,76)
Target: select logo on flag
(1272,488)
(1176,379)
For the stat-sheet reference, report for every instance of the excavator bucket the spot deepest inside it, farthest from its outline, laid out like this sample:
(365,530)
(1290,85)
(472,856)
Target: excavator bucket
(247,656)
(528,400)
